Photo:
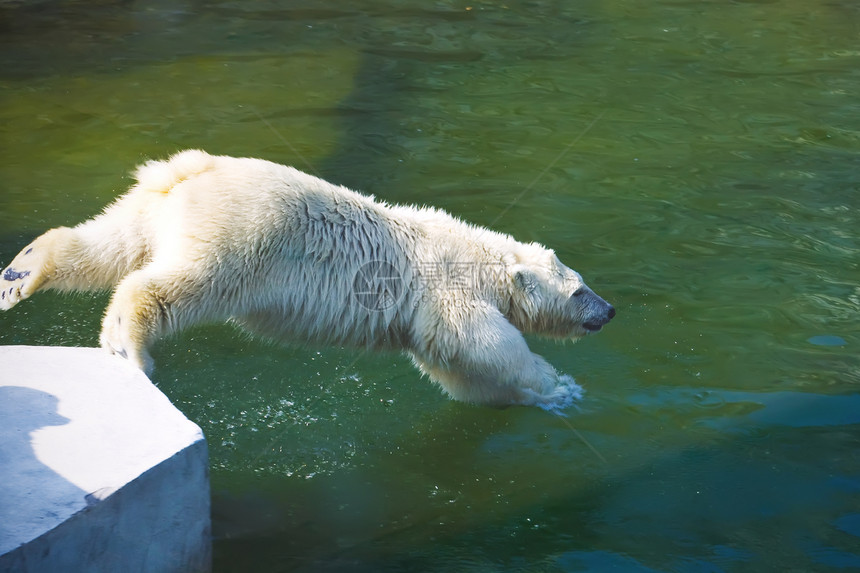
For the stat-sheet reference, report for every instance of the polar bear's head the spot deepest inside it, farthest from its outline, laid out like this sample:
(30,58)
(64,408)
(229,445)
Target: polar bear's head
(550,299)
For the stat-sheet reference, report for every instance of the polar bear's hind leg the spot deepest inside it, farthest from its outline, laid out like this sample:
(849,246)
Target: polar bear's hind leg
(91,256)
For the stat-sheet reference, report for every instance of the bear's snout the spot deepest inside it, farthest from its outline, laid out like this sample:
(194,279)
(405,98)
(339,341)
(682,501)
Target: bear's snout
(601,312)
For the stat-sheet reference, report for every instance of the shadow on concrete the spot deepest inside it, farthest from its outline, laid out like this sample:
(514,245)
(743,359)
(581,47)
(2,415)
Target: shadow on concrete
(33,497)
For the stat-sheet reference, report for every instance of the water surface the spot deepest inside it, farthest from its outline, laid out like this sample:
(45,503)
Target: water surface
(696,161)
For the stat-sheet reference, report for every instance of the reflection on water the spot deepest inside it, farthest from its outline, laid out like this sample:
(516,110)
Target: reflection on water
(713,201)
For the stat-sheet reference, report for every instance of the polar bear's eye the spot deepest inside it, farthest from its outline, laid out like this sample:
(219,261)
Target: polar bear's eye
(579,292)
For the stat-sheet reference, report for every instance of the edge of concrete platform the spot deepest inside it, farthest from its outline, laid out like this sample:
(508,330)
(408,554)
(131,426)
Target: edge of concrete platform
(100,471)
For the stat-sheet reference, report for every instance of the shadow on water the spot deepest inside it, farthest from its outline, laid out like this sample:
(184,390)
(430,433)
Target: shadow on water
(709,500)
(365,517)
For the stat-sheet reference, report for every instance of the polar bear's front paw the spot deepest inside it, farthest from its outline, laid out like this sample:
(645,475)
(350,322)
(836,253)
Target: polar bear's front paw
(21,278)
(562,396)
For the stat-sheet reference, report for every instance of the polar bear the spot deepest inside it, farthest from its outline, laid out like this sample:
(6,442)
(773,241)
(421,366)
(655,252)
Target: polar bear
(204,238)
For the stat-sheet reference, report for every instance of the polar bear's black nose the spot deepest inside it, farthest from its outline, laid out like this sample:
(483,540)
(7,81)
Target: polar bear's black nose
(611,312)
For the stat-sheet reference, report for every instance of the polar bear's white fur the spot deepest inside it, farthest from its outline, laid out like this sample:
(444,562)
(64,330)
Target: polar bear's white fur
(204,238)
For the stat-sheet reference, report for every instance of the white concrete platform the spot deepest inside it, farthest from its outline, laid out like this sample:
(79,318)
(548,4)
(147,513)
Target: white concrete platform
(98,470)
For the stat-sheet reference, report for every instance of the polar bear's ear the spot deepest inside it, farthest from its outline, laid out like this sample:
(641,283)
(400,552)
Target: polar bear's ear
(526,295)
(524,279)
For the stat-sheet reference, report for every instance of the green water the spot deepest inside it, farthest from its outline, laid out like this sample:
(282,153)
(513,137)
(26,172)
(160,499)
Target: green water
(696,161)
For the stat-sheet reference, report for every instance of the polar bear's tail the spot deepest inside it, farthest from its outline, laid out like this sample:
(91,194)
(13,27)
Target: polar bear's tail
(162,176)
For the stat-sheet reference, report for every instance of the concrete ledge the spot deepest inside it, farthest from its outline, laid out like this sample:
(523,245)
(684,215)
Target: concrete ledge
(98,470)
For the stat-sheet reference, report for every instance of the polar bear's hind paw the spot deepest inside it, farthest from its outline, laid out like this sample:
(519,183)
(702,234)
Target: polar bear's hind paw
(14,287)
(32,268)
(13,275)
